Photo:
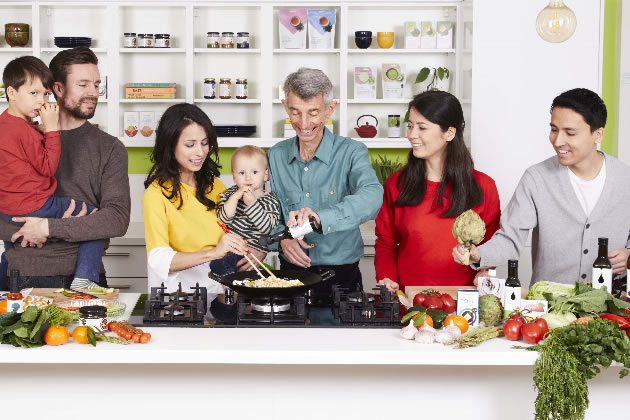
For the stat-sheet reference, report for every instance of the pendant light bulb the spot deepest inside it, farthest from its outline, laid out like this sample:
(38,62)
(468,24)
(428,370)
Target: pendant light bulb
(556,22)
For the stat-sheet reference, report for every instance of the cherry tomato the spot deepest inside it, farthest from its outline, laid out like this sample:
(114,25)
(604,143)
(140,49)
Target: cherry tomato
(112,326)
(144,338)
(418,299)
(448,303)
(532,333)
(121,332)
(512,329)
(128,335)
(136,338)
(433,302)
(543,325)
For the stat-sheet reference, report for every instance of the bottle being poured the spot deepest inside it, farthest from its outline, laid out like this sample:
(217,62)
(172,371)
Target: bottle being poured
(292,232)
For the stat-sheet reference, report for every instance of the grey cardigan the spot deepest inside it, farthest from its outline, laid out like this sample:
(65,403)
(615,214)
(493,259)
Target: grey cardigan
(564,240)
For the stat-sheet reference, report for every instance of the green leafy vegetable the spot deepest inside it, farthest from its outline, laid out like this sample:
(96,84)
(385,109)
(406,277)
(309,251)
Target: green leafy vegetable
(541,289)
(568,359)
(24,330)
(91,337)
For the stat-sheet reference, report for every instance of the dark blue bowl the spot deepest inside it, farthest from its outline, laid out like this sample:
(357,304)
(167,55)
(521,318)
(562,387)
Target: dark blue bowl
(363,34)
(363,42)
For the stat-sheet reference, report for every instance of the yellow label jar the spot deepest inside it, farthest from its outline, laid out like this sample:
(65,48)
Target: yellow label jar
(225,88)
(227,39)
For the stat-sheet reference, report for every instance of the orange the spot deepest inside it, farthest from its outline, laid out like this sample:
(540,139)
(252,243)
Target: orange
(457,320)
(56,335)
(427,320)
(3,306)
(79,334)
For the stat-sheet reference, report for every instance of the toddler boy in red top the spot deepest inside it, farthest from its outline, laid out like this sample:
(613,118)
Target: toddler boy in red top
(29,158)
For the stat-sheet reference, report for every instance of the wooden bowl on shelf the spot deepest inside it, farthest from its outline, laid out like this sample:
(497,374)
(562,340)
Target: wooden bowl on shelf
(16,34)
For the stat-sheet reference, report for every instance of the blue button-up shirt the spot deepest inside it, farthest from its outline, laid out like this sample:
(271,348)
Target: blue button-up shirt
(338,184)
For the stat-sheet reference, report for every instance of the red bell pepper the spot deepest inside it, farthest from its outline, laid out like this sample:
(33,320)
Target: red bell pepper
(628,310)
(622,321)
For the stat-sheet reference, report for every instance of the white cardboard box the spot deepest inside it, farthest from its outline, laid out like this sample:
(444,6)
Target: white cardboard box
(130,125)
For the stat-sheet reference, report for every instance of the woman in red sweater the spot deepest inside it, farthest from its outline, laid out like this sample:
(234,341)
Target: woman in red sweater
(421,201)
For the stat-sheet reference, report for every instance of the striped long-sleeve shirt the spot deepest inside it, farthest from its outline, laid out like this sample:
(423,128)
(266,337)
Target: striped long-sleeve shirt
(254,221)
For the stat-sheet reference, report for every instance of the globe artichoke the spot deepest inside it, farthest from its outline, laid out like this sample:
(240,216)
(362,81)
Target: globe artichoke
(490,310)
(468,229)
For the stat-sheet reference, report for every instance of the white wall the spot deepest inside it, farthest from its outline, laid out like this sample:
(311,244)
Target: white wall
(516,76)
(623,124)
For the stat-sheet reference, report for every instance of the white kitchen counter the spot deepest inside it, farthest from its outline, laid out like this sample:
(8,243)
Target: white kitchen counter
(306,373)
(273,346)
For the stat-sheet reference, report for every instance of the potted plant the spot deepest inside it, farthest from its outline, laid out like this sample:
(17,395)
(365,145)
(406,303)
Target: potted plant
(384,168)
(430,78)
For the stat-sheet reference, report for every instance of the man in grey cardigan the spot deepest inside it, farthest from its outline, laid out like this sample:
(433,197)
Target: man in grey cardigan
(569,200)
(92,168)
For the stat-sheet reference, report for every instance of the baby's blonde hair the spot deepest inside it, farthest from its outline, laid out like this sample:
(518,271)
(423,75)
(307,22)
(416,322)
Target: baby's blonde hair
(249,151)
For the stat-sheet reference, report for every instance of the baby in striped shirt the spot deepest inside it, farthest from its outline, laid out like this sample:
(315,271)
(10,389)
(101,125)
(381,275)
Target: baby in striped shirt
(246,208)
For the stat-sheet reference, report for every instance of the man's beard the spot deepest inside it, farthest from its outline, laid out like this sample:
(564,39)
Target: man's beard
(76,112)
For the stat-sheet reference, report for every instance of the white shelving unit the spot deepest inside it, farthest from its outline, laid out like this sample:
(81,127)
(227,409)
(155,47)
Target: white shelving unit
(265,65)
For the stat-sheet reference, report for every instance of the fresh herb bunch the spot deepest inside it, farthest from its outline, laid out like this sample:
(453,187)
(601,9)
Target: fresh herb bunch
(568,359)
(385,167)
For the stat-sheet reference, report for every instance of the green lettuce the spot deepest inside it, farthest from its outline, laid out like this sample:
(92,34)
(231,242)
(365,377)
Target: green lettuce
(547,290)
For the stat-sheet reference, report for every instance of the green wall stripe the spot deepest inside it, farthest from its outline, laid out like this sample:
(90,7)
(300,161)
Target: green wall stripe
(610,93)
(139,162)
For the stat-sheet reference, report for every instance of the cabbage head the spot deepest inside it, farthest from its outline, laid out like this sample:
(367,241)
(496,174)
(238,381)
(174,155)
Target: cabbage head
(550,291)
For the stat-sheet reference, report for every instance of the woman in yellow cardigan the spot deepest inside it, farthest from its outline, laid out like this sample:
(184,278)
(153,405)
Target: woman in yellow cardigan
(179,204)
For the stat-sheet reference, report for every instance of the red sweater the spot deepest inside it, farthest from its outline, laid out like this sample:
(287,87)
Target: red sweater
(28,160)
(414,245)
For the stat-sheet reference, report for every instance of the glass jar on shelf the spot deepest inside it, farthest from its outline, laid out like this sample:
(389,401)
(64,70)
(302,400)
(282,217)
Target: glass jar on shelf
(162,41)
(129,40)
(242,40)
(227,39)
(241,88)
(225,88)
(209,88)
(145,40)
(213,40)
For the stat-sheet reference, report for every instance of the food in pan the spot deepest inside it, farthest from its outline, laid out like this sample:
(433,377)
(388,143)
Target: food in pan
(268,282)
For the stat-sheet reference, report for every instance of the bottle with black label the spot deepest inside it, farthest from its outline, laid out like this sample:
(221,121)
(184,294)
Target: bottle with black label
(602,269)
(15,300)
(512,293)
(628,280)
(291,232)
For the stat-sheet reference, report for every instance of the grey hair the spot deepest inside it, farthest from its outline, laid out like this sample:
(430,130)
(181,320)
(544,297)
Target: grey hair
(306,83)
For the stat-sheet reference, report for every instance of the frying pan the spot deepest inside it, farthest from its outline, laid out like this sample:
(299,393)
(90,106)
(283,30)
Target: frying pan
(309,279)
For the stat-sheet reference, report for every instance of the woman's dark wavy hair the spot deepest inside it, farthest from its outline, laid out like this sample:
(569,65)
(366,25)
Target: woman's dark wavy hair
(443,109)
(165,167)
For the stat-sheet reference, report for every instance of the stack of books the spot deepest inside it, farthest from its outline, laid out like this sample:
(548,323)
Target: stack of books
(150,91)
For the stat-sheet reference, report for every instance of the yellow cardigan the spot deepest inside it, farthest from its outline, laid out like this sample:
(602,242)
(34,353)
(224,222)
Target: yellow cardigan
(188,229)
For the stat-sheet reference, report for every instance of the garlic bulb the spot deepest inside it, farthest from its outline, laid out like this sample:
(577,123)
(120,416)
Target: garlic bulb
(453,331)
(408,332)
(424,337)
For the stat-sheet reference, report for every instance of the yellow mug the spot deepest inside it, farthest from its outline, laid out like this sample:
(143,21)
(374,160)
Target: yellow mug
(385,39)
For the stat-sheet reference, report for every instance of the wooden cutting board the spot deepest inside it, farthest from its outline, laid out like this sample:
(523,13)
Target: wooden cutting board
(59,297)
(411,291)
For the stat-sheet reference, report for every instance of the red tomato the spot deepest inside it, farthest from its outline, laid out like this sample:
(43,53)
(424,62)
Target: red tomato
(518,317)
(433,302)
(448,303)
(543,325)
(418,299)
(532,333)
(512,329)
(144,338)
(136,338)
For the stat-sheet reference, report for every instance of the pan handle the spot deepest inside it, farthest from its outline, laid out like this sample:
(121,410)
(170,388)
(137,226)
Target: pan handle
(215,277)
(327,275)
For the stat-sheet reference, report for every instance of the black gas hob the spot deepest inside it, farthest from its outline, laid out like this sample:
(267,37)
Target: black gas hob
(345,309)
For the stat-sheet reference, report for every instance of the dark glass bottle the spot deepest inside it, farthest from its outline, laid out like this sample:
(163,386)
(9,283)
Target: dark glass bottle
(291,232)
(15,300)
(602,269)
(512,294)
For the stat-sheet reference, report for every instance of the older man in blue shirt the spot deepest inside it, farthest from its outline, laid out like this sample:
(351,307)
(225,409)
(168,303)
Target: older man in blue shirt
(327,177)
